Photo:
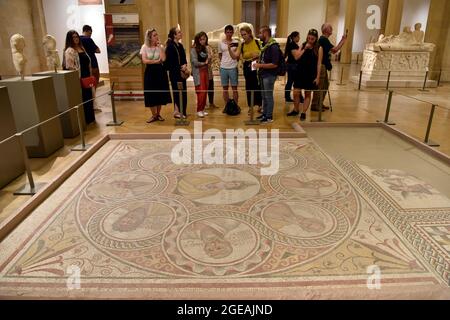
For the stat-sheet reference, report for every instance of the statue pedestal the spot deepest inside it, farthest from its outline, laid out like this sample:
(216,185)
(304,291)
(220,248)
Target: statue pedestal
(408,69)
(68,95)
(33,101)
(11,163)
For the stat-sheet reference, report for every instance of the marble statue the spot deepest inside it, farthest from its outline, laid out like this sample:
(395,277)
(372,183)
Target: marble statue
(405,41)
(51,54)
(17,46)
(419,35)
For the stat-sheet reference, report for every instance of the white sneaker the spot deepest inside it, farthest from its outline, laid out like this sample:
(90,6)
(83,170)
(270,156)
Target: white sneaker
(205,113)
(201,114)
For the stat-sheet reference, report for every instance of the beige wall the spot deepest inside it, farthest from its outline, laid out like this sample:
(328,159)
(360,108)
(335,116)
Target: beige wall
(24,17)
(211,15)
(306,14)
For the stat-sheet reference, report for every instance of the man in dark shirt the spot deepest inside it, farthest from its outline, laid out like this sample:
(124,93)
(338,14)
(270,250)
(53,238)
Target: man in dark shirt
(268,71)
(328,49)
(91,49)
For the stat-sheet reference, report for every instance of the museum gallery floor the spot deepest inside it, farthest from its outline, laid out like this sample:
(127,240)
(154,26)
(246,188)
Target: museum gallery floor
(138,226)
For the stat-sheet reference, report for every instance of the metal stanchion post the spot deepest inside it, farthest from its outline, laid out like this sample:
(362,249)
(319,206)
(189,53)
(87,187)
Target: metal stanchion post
(439,78)
(31,188)
(182,121)
(252,121)
(388,110)
(320,106)
(83,146)
(115,122)
(360,79)
(427,134)
(329,99)
(388,80)
(424,83)
(342,77)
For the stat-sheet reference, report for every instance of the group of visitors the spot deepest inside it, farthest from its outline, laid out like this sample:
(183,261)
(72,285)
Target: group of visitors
(166,67)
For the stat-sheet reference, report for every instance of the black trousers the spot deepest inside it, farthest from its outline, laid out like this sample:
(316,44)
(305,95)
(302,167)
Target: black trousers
(252,84)
(176,93)
(211,91)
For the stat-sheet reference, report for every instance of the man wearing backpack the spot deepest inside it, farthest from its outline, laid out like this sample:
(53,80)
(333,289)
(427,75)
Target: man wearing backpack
(269,66)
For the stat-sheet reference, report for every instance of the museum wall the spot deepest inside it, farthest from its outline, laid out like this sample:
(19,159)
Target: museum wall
(211,15)
(415,11)
(306,14)
(63,15)
(24,17)
(152,14)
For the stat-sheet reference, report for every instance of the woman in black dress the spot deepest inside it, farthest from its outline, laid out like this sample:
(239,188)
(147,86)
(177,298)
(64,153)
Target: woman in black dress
(176,63)
(156,83)
(309,59)
(76,58)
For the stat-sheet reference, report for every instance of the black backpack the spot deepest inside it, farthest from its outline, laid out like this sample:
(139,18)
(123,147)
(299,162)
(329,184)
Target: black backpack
(281,69)
(231,108)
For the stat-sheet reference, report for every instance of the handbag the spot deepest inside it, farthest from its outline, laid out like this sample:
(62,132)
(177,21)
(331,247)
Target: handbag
(185,74)
(88,82)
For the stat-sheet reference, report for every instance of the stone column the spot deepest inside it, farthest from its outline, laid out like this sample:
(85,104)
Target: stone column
(237,11)
(350,19)
(266,10)
(394,17)
(185,26)
(282,18)
(438,32)
(332,17)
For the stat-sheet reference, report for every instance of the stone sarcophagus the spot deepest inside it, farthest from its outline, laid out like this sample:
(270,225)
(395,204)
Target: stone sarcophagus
(404,59)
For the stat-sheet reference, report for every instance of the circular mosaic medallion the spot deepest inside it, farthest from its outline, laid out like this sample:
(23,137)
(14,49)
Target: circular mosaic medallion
(218,241)
(216,246)
(218,186)
(133,225)
(125,186)
(326,186)
(299,220)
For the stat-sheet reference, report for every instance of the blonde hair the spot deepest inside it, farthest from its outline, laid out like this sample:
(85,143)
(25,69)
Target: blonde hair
(247,29)
(148,36)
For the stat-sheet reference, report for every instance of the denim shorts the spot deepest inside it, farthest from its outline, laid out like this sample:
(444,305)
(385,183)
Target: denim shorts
(228,76)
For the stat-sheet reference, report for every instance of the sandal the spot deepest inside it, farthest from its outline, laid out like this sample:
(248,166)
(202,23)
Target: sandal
(177,116)
(152,119)
(160,118)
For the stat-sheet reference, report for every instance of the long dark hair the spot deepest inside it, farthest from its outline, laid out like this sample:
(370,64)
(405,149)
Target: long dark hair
(197,44)
(171,35)
(313,32)
(70,44)
(69,40)
(290,41)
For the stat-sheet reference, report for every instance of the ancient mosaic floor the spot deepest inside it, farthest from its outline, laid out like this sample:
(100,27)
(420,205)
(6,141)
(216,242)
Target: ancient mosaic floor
(137,226)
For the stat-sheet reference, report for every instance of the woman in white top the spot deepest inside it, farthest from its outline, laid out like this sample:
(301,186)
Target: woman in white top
(76,58)
(156,82)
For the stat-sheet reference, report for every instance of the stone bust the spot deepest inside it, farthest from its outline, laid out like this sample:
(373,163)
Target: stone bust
(51,54)
(419,35)
(17,46)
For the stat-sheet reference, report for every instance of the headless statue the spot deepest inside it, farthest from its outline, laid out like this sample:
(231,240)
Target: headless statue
(17,46)
(51,54)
